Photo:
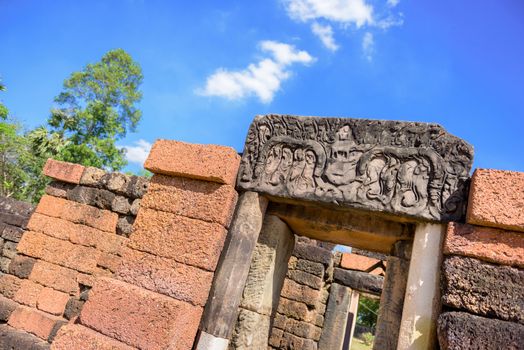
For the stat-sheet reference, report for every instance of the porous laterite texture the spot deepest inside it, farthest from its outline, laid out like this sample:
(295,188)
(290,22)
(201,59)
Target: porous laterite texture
(489,244)
(196,199)
(357,262)
(54,276)
(33,321)
(66,172)
(483,288)
(140,318)
(496,199)
(189,241)
(460,330)
(78,213)
(165,276)
(205,162)
(14,339)
(72,336)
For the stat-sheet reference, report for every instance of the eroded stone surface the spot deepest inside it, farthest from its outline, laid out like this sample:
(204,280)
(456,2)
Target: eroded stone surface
(405,168)
(484,289)
(251,332)
(496,199)
(460,330)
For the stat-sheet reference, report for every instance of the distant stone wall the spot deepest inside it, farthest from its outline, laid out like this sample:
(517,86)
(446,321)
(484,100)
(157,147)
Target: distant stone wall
(483,267)
(313,270)
(75,235)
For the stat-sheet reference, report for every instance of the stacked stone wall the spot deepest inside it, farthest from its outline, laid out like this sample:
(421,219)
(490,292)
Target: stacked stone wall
(306,317)
(156,295)
(75,235)
(483,267)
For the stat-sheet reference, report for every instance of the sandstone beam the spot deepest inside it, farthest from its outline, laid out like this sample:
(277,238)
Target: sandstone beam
(359,281)
(401,168)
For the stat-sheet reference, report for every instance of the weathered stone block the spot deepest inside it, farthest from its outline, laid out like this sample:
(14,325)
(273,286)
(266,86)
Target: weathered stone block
(124,225)
(7,306)
(186,240)
(116,182)
(63,171)
(9,249)
(196,199)
(13,219)
(251,332)
(203,162)
(4,264)
(14,339)
(21,266)
(165,276)
(78,213)
(460,330)
(58,189)
(303,329)
(96,197)
(358,262)
(305,278)
(311,267)
(275,337)
(357,163)
(489,244)
(137,186)
(33,321)
(73,336)
(92,176)
(9,285)
(121,205)
(13,206)
(63,253)
(483,288)
(52,301)
(28,293)
(268,267)
(296,310)
(290,341)
(54,276)
(496,199)
(301,293)
(360,281)
(312,253)
(12,233)
(139,317)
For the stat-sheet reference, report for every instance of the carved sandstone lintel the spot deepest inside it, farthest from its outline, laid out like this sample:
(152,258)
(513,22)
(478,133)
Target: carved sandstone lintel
(404,168)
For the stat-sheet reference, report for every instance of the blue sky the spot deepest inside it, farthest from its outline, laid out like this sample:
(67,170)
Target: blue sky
(211,66)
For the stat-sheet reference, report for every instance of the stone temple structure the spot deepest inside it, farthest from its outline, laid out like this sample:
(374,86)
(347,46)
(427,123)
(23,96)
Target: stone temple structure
(226,251)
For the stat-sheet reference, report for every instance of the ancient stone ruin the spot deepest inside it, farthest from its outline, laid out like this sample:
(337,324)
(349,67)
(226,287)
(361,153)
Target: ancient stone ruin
(222,251)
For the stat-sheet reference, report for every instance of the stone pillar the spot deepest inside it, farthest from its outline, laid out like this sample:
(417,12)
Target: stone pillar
(339,318)
(264,283)
(391,304)
(422,298)
(221,311)
(352,319)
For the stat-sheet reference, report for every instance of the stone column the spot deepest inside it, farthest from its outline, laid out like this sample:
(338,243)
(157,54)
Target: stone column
(391,304)
(336,318)
(352,319)
(264,283)
(422,298)
(221,311)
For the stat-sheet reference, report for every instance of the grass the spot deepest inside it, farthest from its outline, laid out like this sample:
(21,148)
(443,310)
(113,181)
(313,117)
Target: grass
(358,344)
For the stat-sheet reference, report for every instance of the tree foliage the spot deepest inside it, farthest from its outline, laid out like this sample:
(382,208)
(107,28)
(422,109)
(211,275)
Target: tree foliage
(367,311)
(96,108)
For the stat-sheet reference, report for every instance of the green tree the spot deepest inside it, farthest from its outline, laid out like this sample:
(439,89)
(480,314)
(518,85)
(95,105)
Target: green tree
(96,108)
(367,311)
(4,112)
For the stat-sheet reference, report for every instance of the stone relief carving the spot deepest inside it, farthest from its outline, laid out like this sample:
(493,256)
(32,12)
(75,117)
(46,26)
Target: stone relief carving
(407,168)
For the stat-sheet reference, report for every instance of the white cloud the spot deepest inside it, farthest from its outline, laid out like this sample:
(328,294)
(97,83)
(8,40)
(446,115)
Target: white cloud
(325,34)
(356,12)
(138,153)
(368,45)
(393,3)
(262,79)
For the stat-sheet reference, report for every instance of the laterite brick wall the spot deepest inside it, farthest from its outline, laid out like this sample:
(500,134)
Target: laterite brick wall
(483,268)
(155,298)
(74,236)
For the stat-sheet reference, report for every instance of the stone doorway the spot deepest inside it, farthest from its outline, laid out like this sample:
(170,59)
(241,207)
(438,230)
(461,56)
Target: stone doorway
(380,186)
